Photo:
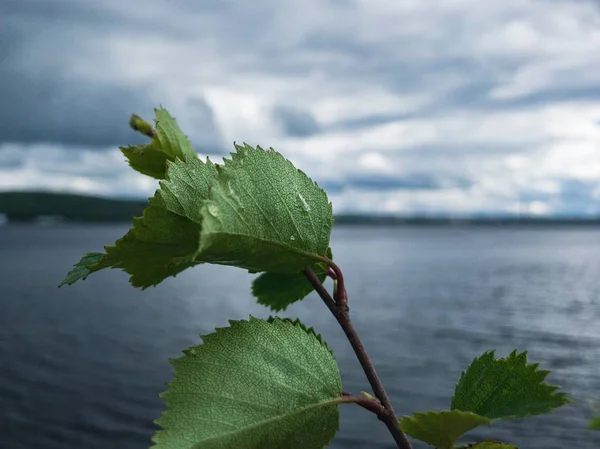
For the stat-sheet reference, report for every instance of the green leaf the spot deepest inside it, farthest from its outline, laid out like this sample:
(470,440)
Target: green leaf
(440,429)
(594,423)
(279,290)
(80,269)
(168,143)
(165,240)
(506,388)
(191,220)
(255,384)
(488,444)
(264,214)
(160,244)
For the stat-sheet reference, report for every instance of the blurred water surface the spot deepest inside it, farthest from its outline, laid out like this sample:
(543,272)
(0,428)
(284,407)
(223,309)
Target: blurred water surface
(81,366)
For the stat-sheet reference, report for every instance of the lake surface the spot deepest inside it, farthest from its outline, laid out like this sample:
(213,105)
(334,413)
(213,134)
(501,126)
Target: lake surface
(81,366)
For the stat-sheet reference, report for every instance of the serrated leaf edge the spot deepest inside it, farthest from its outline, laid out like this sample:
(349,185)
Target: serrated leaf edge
(490,354)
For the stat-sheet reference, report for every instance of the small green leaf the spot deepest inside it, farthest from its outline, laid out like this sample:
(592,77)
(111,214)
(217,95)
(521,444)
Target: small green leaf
(440,429)
(506,388)
(264,214)
(255,384)
(81,269)
(370,396)
(140,125)
(168,143)
(279,290)
(594,423)
(488,444)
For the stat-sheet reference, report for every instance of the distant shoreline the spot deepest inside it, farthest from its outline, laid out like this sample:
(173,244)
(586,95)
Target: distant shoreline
(55,208)
(350,220)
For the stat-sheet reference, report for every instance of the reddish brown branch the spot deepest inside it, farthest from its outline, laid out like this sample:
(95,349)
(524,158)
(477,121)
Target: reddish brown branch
(340,310)
(340,294)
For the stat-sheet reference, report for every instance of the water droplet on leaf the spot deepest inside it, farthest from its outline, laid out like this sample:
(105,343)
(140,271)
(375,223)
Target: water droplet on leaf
(236,198)
(213,210)
(305,205)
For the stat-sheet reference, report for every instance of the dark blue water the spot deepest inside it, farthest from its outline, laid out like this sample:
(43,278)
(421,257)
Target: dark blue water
(81,366)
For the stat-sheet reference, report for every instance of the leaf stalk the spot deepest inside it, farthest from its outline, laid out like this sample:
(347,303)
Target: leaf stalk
(364,402)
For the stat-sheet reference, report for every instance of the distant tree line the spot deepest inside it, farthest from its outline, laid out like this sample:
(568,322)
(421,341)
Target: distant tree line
(28,206)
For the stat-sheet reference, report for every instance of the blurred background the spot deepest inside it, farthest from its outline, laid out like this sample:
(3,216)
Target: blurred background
(459,142)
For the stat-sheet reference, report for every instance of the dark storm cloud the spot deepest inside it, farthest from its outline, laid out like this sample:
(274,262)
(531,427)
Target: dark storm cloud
(51,110)
(75,113)
(11,157)
(575,196)
(381,66)
(49,106)
(370,120)
(470,98)
(36,12)
(410,181)
(29,17)
(452,151)
(203,131)
(42,103)
(41,38)
(295,122)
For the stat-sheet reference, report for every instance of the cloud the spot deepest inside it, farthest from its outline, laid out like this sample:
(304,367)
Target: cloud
(295,122)
(410,181)
(46,100)
(60,169)
(41,102)
(468,107)
(200,125)
(70,113)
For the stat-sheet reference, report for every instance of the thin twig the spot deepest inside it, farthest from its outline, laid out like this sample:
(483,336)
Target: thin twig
(321,290)
(389,419)
(342,314)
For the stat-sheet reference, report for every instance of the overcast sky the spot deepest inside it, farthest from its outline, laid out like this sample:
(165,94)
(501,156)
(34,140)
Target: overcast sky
(395,106)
